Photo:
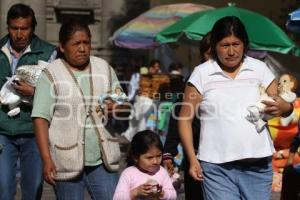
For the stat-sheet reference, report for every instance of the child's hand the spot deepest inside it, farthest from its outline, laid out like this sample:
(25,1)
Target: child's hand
(143,190)
(161,193)
(156,192)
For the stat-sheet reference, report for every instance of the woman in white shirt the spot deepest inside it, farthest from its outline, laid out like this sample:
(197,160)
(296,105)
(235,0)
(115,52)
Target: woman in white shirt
(235,160)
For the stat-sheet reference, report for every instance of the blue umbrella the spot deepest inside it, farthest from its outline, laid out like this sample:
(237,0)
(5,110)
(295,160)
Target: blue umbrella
(293,23)
(295,15)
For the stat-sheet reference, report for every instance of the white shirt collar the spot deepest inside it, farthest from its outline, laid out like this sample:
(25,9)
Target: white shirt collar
(216,69)
(25,50)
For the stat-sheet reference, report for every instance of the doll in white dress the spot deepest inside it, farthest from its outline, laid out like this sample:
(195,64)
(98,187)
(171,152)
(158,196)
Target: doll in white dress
(286,90)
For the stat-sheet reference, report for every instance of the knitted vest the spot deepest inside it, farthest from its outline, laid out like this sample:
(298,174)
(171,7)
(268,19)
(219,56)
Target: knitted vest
(66,131)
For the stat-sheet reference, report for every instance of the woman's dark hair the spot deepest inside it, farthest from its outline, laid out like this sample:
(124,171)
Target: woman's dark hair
(154,61)
(69,28)
(225,27)
(204,46)
(21,10)
(175,66)
(141,143)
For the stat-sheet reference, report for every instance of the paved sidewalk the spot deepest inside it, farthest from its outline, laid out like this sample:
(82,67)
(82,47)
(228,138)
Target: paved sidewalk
(48,194)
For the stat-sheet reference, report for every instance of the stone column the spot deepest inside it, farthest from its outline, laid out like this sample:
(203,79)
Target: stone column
(108,8)
(5,5)
(39,7)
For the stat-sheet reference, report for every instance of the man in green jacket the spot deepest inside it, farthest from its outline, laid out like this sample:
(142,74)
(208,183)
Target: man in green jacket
(20,47)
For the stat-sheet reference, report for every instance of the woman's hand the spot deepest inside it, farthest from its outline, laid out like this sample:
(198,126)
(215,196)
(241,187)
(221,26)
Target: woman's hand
(278,107)
(122,110)
(42,138)
(49,171)
(196,170)
(112,109)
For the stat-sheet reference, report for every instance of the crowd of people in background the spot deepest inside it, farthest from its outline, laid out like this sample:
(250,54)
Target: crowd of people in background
(63,137)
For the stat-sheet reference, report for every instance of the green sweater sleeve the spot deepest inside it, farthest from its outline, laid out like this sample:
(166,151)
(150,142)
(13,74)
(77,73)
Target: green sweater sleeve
(44,100)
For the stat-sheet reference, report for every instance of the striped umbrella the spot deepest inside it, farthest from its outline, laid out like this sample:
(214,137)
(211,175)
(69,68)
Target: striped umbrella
(139,33)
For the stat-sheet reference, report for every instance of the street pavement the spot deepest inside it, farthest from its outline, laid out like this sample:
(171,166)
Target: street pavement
(48,194)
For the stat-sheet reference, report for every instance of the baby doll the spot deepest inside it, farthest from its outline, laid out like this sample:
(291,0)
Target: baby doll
(286,90)
(256,112)
(118,96)
(9,96)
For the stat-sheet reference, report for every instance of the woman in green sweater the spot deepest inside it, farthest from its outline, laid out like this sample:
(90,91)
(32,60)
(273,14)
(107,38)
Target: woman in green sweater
(67,131)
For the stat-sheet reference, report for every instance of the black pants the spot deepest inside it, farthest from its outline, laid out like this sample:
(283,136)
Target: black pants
(193,189)
(290,184)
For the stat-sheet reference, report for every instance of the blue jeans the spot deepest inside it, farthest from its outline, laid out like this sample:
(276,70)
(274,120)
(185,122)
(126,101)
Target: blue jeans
(100,184)
(238,180)
(21,147)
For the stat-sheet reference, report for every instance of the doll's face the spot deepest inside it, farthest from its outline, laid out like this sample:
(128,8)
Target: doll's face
(285,83)
(118,91)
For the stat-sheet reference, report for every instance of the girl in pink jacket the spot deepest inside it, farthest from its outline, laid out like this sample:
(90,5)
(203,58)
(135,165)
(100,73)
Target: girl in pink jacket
(145,178)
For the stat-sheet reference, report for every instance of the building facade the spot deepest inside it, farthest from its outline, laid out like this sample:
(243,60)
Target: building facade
(51,13)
